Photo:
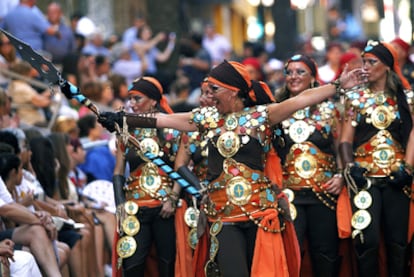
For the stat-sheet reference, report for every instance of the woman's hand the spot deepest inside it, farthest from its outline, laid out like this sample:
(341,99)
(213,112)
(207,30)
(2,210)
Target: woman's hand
(6,249)
(168,208)
(334,185)
(349,79)
(47,222)
(6,252)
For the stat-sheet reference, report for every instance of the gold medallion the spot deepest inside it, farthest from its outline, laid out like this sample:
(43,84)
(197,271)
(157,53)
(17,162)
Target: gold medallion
(299,131)
(383,155)
(363,200)
(191,217)
(381,117)
(131,207)
(360,219)
(150,179)
(293,211)
(228,144)
(305,165)
(239,190)
(150,145)
(192,238)
(230,123)
(131,225)
(126,247)
(289,194)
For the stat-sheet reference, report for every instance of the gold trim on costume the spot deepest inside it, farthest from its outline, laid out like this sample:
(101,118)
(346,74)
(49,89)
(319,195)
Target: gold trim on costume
(191,217)
(126,247)
(239,190)
(228,144)
(130,225)
(361,219)
(150,179)
(363,200)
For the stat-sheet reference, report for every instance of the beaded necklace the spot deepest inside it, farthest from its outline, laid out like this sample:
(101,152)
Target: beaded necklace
(378,108)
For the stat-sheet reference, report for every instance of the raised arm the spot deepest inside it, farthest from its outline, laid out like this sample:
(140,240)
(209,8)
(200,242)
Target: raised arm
(280,111)
(312,96)
(178,121)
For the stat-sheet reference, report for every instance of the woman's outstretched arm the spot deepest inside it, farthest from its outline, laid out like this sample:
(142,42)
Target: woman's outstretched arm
(280,111)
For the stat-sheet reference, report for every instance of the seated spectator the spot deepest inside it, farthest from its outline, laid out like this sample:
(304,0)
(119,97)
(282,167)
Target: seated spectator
(51,174)
(100,161)
(36,231)
(100,93)
(7,58)
(17,262)
(27,101)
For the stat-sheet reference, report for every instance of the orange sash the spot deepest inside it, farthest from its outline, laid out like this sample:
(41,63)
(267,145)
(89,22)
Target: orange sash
(344,214)
(183,257)
(270,258)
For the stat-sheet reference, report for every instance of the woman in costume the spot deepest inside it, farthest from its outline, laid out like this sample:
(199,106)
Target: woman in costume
(377,142)
(307,144)
(147,217)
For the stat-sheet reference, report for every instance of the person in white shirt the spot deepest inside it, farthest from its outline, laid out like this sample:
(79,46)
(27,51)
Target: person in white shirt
(216,44)
(36,230)
(328,71)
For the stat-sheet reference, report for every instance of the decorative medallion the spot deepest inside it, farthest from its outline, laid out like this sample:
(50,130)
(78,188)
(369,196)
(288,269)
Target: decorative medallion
(299,131)
(191,217)
(305,165)
(150,179)
(126,247)
(239,190)
(383,155)
(131,225)
(228,144)
(360,219)
(131,207)
(363,200)
(381,117)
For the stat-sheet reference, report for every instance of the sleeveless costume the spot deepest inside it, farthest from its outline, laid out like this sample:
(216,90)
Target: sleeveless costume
(240,194)
(378,148)
(306,144)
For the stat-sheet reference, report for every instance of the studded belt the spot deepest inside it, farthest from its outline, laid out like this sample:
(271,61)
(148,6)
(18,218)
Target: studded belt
(238,193)
(307,166)
(380,154)
(147,184)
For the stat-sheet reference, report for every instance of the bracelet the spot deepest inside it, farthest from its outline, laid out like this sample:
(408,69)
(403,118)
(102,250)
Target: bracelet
(338,88)
(338,175)
(408,167)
